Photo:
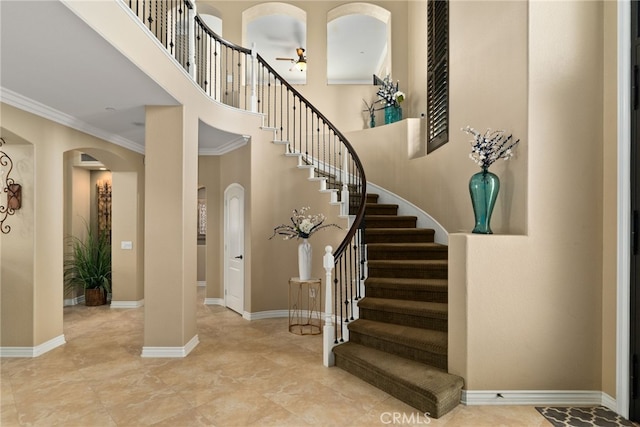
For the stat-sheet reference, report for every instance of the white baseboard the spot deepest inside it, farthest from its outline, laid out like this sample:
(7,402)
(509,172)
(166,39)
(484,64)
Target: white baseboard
(171,351)
(214,301)
(202,283)
(270,314)
(33,351)
(127,304)
(539,398)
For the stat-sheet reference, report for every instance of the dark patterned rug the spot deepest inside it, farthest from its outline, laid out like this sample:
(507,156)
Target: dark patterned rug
(573,416)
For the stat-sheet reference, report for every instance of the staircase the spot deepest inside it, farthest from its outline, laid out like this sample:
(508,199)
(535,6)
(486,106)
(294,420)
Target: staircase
(399,343)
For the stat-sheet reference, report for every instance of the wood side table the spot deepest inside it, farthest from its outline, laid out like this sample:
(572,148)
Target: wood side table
(305,302)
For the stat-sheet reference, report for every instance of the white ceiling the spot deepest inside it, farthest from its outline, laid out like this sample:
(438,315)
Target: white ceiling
(54,64)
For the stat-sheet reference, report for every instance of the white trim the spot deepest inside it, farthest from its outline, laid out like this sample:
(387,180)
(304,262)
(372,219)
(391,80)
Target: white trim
(225,148)
(269,314)
(405,207)
(214,301)
(34,107)
(202,283)
(74,301)
(171,351)
(33,351)
(537,397)
(127,304)
(624,207)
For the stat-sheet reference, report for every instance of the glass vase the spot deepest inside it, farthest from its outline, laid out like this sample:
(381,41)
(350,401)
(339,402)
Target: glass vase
(304,260)
(372,120)
(483,188)
(392,114)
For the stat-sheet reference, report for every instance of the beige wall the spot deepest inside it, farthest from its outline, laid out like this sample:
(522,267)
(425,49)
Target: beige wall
(481,97)
(547,299)
(553,289)
(544,291)
(276,191)
(341,104)
(16,251)
(126,225)
(209,178)
(44,212)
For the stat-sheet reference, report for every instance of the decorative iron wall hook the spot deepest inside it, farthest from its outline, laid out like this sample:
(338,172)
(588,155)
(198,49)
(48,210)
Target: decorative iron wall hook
(11,192)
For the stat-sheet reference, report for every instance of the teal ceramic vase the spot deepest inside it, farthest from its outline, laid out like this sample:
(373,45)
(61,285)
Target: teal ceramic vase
(483,188)
(392,114)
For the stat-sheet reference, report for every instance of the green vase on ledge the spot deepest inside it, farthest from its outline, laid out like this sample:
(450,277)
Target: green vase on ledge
(392,114)
(483,188)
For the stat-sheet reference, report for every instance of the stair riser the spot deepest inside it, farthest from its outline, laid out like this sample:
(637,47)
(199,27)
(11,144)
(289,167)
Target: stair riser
(388,237)
(391,222)
(391,254)
(422,402)
(418,354)
(381,210)
(431,272)
(413,295)
(371,198)
(424,321)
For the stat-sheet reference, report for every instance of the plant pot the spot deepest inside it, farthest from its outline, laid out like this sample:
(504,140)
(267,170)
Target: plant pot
(94,297)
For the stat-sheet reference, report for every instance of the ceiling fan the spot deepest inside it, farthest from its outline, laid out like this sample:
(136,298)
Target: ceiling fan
(300,63)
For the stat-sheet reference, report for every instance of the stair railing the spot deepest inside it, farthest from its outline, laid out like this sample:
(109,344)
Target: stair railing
(241,78)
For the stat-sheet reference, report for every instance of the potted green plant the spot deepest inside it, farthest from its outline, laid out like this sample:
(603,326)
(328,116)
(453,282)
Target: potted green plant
(88,266)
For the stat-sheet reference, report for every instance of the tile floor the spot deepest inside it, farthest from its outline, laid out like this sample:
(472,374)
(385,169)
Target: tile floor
(241,374)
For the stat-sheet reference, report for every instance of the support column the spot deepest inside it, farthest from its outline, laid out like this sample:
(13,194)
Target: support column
(170,266)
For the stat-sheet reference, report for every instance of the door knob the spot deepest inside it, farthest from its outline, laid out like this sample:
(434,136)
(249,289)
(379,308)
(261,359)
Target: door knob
(239,257)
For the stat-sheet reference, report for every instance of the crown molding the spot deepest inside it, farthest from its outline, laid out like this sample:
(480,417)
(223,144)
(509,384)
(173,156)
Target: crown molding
(29,105)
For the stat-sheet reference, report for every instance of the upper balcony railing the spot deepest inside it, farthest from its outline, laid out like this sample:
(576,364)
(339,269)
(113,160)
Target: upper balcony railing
(239,77)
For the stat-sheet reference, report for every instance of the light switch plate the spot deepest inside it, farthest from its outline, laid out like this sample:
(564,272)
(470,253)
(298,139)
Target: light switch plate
(126,245)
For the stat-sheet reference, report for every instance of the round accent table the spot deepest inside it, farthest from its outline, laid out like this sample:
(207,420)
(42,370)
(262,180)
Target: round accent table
(305,300)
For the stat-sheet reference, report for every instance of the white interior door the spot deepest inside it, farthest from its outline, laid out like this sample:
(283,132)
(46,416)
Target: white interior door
(234,247)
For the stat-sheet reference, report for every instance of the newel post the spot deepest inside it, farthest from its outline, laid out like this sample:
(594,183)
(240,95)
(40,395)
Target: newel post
(329,330)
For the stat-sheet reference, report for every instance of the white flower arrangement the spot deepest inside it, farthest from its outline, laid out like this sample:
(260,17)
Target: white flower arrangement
(389,93)
(303,226)
(488,147)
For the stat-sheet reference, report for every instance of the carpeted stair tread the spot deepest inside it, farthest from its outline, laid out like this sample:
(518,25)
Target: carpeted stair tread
(409,336)
(426,388)
(399,235)
(407,251)
(415,308)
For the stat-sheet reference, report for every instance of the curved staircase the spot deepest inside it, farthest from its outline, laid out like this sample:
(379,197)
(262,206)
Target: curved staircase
(399,343)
